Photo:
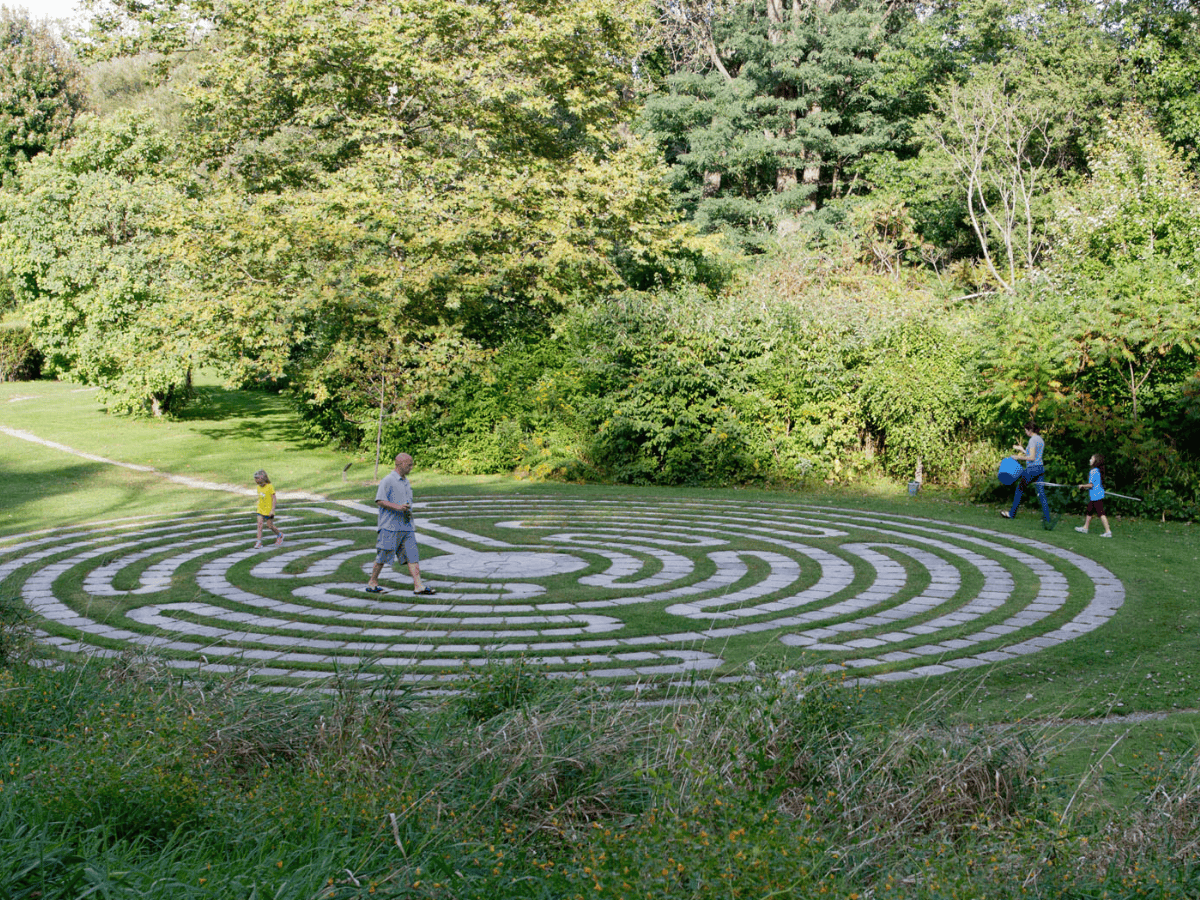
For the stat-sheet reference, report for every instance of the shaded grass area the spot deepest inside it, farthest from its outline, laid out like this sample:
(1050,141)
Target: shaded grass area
(225,437)
(44,488)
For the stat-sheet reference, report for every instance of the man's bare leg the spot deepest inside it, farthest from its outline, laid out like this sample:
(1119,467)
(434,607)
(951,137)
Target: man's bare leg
(375,570)
(414,569)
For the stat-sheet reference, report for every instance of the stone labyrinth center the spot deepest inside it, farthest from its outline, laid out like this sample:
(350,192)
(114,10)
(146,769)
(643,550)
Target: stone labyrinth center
(633,594)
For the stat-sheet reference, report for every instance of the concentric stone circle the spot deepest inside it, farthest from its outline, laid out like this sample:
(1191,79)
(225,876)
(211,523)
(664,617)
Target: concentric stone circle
(627,592)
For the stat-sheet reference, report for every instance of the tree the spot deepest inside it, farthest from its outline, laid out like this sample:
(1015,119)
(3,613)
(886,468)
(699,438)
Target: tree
(1001,100)
(1001,142)
(761,127)
(84,242)
(388,172)
(381,182)
(1163,44)
(1130,256)
(41,89)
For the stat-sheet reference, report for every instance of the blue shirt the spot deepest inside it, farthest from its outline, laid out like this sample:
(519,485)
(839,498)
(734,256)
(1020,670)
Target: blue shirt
(1096,492)
(394,489)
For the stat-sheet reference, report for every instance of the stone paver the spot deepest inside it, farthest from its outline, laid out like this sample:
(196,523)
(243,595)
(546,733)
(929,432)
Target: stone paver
(880,596)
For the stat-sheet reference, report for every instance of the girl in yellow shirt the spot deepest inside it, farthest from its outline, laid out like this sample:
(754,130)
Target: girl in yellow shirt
(266,508)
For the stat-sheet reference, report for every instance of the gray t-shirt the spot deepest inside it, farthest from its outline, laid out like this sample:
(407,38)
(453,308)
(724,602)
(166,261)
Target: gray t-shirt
(1034,451)
(394,488)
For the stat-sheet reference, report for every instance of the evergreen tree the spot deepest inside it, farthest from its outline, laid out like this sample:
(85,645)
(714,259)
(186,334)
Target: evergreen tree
(762,128)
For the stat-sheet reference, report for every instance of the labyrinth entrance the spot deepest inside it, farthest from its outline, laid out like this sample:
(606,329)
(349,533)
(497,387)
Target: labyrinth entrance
(629,593)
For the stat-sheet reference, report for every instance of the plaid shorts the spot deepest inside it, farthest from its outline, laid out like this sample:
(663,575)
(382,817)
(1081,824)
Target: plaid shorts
(400,546)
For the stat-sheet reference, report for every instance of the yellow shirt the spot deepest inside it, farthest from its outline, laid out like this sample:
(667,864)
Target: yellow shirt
(266,498)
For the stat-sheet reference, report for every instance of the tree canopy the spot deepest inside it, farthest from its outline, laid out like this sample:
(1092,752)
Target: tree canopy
(646,240)
(41,89)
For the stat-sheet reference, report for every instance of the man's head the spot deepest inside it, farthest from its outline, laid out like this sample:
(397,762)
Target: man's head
(404,463)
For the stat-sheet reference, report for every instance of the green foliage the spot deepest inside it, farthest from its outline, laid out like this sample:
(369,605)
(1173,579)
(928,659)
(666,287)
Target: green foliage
(769,127)
(803,374)
(496,412)
(85,241)
(20,359)
(1164,49)
(486,196)
(41,89)
(916,391)
(357,178)
(660,392)
(1000,101)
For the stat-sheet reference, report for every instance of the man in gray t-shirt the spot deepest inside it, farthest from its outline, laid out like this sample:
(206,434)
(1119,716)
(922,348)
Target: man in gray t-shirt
(396,539)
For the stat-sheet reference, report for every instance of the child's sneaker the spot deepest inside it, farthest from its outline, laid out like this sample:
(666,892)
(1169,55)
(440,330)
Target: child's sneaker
(1106,534)
(258,546)
(279,540)
(1081,529)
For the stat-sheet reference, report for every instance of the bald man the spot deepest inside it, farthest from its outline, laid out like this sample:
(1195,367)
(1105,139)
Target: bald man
(396,539)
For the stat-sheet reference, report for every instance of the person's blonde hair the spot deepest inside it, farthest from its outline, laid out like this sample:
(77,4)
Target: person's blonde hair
(263,473)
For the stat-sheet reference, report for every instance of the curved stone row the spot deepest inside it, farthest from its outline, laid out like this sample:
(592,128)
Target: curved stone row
(623,591)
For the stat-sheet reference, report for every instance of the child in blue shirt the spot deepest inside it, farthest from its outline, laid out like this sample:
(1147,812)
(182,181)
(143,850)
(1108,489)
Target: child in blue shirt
(1095,489)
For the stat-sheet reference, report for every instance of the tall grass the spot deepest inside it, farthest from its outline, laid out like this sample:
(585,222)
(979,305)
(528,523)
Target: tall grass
(121,780)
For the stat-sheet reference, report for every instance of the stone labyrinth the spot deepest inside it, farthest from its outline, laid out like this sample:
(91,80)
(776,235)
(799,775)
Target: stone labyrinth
(633,594)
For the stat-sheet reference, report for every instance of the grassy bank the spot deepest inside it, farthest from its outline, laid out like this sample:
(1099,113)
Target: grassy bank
(119,782)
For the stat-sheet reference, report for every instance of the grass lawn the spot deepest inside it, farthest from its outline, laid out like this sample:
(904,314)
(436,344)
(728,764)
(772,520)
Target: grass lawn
(1145,661)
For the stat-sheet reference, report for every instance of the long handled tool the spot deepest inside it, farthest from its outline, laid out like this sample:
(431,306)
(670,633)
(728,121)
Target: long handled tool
(1123,497)
(1106,493)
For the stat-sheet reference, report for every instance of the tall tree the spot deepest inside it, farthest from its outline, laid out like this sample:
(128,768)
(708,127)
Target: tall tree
(1163,45)
(84,240)
(762,126)
(41,89)
(1001,142)
(376,183)
(1000,100)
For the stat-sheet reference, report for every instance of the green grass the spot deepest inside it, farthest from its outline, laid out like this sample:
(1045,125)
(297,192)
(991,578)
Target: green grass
(1059,774)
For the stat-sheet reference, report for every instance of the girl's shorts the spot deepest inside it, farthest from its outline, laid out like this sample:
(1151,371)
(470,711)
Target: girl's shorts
(1095,507)
(265,517)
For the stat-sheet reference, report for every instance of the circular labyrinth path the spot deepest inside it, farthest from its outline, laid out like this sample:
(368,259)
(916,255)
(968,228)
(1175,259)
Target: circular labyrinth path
(631,593)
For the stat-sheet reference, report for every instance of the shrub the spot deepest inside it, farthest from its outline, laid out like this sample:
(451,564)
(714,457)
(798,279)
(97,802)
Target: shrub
(20,360)
(917,390)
